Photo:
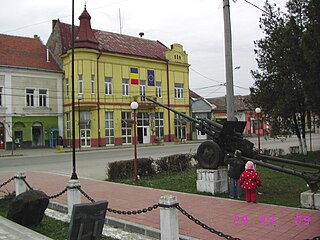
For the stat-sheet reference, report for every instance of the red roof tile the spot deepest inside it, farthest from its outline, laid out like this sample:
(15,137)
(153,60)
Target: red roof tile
(25,52)
(85,37)
(118,43)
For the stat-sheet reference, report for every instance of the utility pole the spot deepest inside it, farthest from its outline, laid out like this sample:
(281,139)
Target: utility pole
(228,60)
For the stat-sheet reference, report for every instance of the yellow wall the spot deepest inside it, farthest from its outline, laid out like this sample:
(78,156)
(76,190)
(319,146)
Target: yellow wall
(118,67)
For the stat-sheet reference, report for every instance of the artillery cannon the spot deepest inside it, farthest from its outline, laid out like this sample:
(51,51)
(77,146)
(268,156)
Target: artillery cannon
(228,137)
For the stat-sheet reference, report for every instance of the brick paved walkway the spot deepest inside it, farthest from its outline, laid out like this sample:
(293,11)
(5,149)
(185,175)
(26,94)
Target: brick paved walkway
(236,218)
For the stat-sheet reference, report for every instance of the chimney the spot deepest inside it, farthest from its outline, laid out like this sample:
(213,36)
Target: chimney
(54,24)
(141,34)
(36,36)
(48,55)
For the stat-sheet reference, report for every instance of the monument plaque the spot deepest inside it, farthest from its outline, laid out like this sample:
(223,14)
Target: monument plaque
(87,221)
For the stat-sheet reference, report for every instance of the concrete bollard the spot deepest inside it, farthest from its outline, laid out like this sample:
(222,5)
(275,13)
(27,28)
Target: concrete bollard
(20,184)
(169,224)
(73,194)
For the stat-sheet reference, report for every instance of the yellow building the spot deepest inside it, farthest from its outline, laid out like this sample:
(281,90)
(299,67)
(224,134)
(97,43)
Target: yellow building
(111,71)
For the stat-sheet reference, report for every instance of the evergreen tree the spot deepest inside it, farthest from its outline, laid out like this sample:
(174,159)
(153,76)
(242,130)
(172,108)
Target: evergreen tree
(280,81)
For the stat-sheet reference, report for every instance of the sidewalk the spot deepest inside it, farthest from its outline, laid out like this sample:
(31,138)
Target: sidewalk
(236,218)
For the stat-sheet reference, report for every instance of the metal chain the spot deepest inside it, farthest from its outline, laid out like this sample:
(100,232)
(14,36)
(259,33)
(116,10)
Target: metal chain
(315,238)
(144,210)
(198,222)
(25,181)
(59,194)
(6,182)
(85,194)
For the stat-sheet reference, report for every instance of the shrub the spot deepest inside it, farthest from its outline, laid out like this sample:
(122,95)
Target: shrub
(149,166)
(125,169)
(174,163)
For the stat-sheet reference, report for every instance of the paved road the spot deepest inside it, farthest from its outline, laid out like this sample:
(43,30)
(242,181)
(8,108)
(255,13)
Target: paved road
(89,164)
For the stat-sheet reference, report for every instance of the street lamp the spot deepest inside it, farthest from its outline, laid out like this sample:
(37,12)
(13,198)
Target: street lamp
(80,97)
(134,106)
(258,111)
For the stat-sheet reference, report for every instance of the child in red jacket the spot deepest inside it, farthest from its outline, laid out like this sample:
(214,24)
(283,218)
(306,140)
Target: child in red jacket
(250,180)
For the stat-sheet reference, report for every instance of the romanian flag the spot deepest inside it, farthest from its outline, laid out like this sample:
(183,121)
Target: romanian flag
(151,77)
(134,75)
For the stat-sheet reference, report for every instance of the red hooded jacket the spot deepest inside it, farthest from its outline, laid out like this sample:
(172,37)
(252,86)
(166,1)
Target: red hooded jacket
(250,179)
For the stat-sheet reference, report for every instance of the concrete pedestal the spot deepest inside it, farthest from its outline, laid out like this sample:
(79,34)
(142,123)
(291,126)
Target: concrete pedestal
(212,181)
(308,199)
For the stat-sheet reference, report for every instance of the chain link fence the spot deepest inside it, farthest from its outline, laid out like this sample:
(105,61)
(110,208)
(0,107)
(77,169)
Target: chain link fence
(8,181)
(139,211)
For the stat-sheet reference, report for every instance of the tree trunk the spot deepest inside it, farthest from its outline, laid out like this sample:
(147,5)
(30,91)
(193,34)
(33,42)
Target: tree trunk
(297,130)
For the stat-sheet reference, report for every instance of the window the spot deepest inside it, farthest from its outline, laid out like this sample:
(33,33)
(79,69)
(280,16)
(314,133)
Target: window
(178,90)
(158,89)
(92,84)
(108,86)
(68,129)
(126,124)
(143,89)
(159,125)
(1,96)
(125,87)
(43,97)
(80,82)
(67,87)
(30,97)
(179,127)
(109,128)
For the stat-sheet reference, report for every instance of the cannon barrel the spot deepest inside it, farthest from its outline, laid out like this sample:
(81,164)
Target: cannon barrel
(284,160)
(312,179)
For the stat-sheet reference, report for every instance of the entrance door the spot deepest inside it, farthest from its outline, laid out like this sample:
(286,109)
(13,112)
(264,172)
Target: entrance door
(143,134)
(146,134)
(85,137)
(37,135)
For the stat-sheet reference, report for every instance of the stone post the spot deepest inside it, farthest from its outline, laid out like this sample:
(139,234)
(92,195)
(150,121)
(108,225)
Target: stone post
(169,225)
(73,194)
(20,184)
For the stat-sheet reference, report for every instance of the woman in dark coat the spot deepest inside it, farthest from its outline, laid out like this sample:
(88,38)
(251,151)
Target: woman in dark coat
(236,167)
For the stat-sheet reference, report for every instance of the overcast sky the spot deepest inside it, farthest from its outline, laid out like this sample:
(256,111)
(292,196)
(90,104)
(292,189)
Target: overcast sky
(196,24)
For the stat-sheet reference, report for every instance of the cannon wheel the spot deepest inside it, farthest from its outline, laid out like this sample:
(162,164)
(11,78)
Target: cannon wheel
(209,155)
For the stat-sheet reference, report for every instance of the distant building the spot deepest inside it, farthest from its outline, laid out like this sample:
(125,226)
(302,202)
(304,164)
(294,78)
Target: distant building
(111,71)
(200,108)
(243,112)
(31,113)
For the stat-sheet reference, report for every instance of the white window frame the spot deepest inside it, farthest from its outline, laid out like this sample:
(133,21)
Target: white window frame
(178,91)
(30,97)
(126,129)
(67,87)
(107,85)
(43,99)
(125,87)
(1,96)
(158,90)
(109,128)
(93,90)
(143,89)
(80,83)
(159,125)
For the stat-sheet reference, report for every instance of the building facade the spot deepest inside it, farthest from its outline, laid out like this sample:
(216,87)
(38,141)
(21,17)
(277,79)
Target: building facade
(111,71)
(31,113)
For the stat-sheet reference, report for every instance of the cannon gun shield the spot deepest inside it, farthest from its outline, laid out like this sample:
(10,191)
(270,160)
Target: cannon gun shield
(209,155)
